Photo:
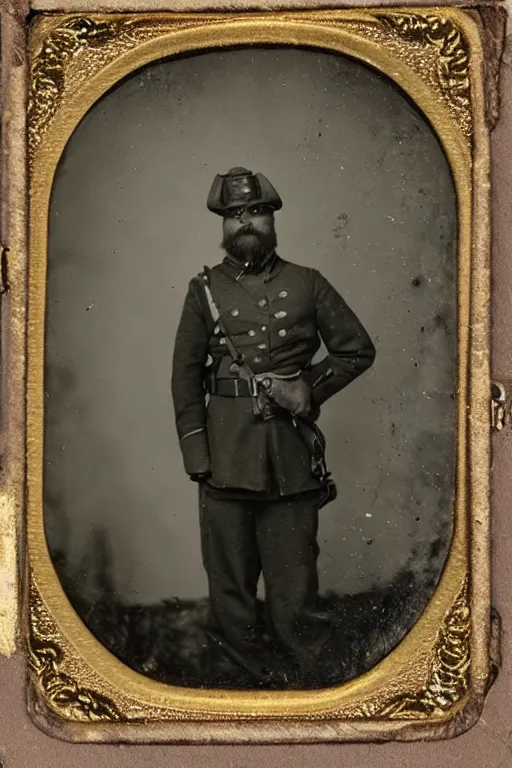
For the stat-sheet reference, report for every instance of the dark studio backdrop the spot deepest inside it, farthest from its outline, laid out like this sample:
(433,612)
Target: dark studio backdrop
(369,201)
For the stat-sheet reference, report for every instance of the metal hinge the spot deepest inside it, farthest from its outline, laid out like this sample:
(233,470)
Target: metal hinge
(501,405)
(4,269)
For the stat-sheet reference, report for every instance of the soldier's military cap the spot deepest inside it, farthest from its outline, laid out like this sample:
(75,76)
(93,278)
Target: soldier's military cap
(239,187)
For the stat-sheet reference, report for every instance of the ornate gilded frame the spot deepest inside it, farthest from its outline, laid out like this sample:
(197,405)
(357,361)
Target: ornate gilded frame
(433,684)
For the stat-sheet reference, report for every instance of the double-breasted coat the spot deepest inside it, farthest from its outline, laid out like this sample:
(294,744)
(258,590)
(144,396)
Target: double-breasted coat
(277,320)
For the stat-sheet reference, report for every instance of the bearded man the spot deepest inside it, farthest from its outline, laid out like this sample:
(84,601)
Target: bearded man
(246,396)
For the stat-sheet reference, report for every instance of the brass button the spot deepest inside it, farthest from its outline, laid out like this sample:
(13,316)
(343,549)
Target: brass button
(262,346)
(263,328)
(279,315)
(282,332)
(251,332)
(257,359)
(222,341)
(235,312)
(262,303)
(266,383)
(283,294)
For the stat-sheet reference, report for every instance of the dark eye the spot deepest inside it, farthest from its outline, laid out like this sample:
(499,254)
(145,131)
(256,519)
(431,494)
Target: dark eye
(257,210)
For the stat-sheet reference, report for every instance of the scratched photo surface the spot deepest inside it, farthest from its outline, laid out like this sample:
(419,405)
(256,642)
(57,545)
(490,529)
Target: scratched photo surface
(368,201)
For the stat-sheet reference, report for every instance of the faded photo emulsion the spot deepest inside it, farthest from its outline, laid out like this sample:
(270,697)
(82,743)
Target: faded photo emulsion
(250,367)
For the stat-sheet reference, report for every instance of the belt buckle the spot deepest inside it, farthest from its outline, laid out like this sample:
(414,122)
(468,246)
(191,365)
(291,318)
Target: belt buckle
(237,387)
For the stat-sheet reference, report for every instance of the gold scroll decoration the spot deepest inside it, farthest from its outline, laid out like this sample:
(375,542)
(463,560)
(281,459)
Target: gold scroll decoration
(448,680)
(453,53)
(50,62)
(63,693)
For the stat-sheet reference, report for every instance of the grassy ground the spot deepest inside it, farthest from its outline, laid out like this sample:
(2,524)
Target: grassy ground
(170,641)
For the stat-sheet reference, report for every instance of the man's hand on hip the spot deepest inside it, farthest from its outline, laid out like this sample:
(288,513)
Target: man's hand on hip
(292,394)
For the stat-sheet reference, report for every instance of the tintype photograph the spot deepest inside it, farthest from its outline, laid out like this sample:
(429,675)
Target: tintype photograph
(258,376)
(250,368)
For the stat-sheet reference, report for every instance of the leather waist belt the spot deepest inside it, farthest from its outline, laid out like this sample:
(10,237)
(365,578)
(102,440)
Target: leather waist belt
(228,387)
(240,387)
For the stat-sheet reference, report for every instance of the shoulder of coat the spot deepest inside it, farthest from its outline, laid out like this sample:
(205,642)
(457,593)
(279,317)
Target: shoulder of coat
(301,270)
(205,272)
(219,276)
(216,269)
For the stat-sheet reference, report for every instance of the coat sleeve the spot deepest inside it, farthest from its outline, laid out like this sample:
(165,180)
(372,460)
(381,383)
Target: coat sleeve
(350,349)
(187,385)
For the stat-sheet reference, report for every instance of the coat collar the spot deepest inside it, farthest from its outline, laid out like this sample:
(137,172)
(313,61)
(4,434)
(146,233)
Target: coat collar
(234,269)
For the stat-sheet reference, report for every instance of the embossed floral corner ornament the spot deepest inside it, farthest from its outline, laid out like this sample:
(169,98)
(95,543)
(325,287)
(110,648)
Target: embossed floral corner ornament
(453,53)
(60,691)
(448,681)
(48,68)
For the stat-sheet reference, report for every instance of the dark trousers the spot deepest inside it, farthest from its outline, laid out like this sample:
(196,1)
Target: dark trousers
(243,539)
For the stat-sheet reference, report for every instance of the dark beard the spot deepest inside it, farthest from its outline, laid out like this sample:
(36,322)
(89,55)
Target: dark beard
(249,246)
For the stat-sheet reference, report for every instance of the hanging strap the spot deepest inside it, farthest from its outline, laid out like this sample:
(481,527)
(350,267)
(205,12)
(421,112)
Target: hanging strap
(219,329)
